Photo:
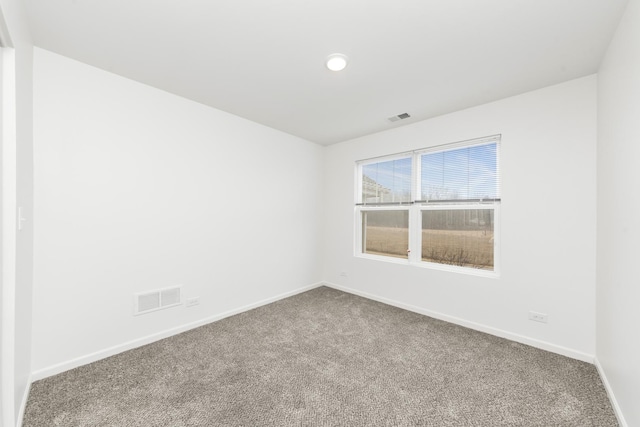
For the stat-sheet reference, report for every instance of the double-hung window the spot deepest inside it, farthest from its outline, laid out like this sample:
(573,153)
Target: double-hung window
(435,207)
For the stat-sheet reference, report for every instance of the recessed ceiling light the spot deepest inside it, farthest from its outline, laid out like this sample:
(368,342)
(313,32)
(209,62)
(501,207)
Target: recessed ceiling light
(336,62)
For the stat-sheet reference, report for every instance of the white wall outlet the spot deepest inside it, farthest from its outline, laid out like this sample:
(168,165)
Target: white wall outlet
(538,317)
(190,302)
(343,275)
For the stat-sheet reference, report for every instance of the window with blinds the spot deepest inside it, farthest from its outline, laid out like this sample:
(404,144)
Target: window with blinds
(434,207)
(385,195)
(466,174)
(387,182)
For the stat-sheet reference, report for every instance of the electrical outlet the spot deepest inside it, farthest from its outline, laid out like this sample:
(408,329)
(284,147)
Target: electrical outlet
(343,275)
(190,302)
(538,317)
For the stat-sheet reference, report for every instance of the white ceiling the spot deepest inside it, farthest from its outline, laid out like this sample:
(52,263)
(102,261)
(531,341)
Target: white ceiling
(264,59)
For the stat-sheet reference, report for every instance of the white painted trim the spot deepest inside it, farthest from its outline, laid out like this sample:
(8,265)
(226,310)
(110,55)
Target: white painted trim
(89,358)
(612,397)
(574,354)
(5,37)
(23,404)
(9,211)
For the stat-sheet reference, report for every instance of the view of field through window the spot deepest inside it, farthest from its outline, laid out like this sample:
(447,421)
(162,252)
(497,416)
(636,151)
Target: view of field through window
(386,233)
(456,192)
(455,237)
(462,237)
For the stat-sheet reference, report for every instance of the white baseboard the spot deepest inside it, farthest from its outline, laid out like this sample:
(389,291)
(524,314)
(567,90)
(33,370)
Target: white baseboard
(574,354)
(612,397)
(89,358)
(23,404)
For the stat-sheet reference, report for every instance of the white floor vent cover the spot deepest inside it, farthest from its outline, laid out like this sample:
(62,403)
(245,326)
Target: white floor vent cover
(156,300)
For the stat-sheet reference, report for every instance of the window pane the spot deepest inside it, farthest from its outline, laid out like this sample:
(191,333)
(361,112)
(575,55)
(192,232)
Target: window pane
(460,174)
(385,233)
(462,237)
(387,182)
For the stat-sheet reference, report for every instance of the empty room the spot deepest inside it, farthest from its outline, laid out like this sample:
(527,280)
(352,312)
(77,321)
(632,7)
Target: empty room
(319,213)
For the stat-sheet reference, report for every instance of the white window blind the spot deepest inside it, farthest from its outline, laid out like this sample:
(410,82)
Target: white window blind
(463,174)
(387,182)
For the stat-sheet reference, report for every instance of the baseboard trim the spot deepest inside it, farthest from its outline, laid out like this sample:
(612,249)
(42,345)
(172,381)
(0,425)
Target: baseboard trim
(23,404)
(612,397)
(574,354)
(93,357)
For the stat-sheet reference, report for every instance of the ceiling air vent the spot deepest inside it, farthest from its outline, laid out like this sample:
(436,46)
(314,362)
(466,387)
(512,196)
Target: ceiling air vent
(399,117)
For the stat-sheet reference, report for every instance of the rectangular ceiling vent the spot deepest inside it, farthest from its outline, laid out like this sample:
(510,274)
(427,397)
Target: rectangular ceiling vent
(146,302)
(399,117)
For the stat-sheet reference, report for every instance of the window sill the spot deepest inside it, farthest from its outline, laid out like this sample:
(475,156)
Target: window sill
(432,266)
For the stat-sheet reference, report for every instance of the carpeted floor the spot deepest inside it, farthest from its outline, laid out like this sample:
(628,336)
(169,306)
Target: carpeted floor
(326,358)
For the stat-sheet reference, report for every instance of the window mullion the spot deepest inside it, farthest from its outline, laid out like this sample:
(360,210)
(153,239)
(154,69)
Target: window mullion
(415,234)
(415,238)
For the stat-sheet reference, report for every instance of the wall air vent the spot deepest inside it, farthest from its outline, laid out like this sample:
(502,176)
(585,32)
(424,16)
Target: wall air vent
(399,117)
(146,302)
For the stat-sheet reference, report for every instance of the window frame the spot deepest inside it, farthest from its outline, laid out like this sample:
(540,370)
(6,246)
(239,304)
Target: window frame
(417,206)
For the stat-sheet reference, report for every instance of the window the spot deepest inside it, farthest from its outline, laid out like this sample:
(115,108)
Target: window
(435,207)
(385,232)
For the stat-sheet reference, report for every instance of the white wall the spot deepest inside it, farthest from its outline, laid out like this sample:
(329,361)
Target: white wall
(14,15)
(138,189)
(24,237)
(618,288)
(548,161)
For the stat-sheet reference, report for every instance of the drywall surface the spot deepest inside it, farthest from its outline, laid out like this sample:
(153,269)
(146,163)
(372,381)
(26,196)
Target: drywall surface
(14,16)
(138,189)
(548,213)
(24,236)
(618,293)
